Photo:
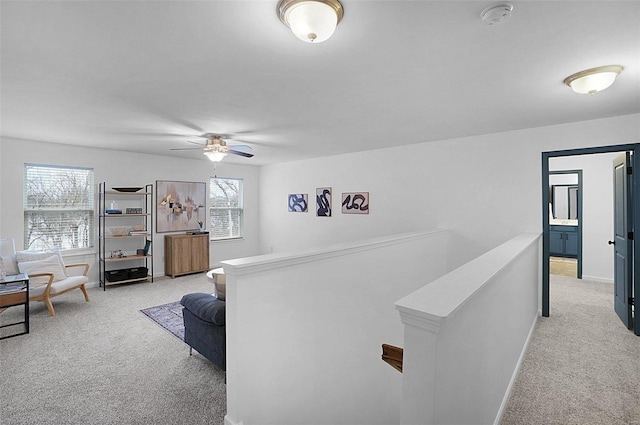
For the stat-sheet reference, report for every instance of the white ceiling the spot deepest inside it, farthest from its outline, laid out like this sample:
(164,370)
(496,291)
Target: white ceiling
(147,76)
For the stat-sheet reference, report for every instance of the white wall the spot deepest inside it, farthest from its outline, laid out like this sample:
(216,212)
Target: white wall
(305,329)
(485,188)
(119,168)
(597,214)
(1,192)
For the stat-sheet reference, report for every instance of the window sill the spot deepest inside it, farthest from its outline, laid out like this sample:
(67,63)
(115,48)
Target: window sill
(84,252)
(239,238)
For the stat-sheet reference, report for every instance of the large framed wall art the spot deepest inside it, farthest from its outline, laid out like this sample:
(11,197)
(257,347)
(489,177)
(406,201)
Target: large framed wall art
(180,206)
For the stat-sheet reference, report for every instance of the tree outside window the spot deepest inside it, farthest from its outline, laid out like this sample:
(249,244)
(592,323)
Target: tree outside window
(58,207)
(226,208)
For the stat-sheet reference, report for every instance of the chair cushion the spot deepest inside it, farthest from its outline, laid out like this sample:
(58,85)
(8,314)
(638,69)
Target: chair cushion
(206,307)
(10,264)
(48,265)
(24,256)
(59,286)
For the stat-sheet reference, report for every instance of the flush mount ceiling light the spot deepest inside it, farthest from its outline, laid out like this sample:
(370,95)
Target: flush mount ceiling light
(312,21)
(593,80)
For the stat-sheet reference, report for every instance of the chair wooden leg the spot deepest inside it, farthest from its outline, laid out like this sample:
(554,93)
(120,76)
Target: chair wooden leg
(84,291)
(47,302)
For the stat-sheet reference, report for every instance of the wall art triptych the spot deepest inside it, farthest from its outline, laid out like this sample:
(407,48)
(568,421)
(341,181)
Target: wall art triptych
(298,202)
(323,202)
(352,202)
(355,203)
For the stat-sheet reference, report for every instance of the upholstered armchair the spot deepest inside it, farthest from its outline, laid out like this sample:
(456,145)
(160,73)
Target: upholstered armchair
(49,277)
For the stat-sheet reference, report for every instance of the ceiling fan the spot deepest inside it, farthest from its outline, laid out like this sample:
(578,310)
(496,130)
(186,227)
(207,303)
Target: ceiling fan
(216,147)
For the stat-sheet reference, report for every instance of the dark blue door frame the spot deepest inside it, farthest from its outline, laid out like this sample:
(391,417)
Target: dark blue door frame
(635,150)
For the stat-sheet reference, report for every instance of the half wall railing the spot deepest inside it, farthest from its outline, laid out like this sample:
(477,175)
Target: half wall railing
(304,329)
(465,335)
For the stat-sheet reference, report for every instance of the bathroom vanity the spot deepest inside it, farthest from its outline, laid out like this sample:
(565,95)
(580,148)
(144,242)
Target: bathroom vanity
(564,238)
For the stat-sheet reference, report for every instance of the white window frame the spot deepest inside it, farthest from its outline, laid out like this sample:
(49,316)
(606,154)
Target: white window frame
(48,177)
(233,209)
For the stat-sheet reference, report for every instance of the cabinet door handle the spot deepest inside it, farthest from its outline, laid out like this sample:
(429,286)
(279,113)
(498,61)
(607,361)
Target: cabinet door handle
(612,242)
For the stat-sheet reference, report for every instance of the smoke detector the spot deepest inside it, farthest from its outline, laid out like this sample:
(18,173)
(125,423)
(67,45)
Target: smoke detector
(496,14)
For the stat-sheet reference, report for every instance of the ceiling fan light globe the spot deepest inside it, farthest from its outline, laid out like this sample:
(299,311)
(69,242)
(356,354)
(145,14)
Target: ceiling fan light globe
(311,21)
(593,83)
(593,80)
(215,156)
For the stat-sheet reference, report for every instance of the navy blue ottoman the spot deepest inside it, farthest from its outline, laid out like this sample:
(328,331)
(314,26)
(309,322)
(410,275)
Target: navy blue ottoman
(204,326)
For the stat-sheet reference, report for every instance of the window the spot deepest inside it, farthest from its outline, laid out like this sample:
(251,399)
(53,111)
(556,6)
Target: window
(225,200)
(58,207)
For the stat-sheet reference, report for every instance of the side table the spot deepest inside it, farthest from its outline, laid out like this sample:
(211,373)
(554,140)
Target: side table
(14,291)
(217,277)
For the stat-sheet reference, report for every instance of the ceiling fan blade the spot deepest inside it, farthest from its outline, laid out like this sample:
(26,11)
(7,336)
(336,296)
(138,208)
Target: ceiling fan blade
(240,147)
(251,142)
(235,133)
(246,155)
(227,136)
(196,143)
(185,149)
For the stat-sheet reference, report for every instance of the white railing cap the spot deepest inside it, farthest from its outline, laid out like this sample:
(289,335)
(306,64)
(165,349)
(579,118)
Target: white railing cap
(261,263)
(431,305)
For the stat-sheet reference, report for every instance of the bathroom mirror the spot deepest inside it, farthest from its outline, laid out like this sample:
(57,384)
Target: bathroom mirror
(564,196)
(564,201)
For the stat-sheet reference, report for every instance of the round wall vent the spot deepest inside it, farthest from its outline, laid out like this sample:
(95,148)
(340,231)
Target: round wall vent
(496,14)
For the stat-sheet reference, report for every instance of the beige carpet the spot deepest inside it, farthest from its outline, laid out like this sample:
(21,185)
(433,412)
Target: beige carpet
(104,362)
(582,365)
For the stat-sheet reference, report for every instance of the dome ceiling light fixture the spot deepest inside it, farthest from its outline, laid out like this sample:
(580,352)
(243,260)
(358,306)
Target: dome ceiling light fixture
(313,21)
(591,81)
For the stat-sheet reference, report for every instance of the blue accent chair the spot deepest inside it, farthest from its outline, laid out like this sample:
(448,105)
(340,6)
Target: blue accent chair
(204,326)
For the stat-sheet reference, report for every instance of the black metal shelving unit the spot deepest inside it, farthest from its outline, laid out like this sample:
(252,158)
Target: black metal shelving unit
(109,264)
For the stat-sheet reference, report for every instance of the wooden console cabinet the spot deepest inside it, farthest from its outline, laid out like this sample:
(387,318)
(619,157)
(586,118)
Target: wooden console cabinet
(184,254)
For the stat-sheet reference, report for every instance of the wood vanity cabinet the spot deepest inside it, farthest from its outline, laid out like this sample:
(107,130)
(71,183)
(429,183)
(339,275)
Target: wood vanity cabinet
(184,254)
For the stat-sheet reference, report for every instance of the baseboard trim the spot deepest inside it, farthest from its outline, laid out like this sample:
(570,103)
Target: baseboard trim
(507,394)
(96,284)
(597,279)
(91,285)
(228,421)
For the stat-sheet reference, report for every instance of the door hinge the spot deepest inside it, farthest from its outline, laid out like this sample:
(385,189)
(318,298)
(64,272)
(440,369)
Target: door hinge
(629,170)
(630,236)
(631,300)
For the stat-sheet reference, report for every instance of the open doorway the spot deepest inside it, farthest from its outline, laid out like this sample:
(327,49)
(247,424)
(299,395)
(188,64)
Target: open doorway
(563,198)
(565,221)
